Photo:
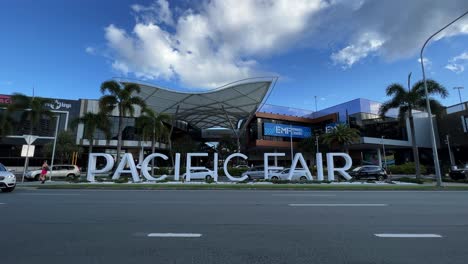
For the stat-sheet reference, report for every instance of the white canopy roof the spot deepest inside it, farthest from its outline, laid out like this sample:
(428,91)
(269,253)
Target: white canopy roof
(208,109)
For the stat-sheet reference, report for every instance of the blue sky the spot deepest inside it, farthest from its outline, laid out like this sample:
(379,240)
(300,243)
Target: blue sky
(337,50)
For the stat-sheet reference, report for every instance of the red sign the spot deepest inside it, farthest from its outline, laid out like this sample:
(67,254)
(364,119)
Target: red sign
(5,99)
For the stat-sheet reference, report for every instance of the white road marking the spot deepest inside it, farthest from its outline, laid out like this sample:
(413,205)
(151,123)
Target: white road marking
(336,205)
(304,195)
(2,203)
(50,194)
(408,235)
(190,235)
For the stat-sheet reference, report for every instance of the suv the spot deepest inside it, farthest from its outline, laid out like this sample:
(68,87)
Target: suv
(7,179)
(298,174)
(70,171)
(369,171)
(458,174)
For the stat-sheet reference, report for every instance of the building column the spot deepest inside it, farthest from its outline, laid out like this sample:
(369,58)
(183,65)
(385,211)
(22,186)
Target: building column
(379,155)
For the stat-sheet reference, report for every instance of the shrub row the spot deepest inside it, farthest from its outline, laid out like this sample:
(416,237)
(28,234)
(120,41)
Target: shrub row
(407,168)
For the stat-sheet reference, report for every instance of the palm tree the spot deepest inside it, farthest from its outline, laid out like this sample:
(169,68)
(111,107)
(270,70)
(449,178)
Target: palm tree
(150,126)
(121,98)
(33,109)
(342,136)
(413,99)
(93,122)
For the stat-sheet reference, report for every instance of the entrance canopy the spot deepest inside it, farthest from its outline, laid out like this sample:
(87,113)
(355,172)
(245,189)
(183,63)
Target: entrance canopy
(223,107)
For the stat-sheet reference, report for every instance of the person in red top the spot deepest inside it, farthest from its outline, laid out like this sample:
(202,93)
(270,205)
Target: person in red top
(44,170)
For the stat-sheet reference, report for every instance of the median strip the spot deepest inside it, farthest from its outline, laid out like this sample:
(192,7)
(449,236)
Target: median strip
(177,235)
(408,235)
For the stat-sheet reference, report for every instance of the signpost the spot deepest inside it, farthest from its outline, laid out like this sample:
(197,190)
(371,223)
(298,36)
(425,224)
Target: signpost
(27,152)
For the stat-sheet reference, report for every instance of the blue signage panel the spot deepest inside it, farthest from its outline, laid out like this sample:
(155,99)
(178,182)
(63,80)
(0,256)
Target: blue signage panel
(281,130)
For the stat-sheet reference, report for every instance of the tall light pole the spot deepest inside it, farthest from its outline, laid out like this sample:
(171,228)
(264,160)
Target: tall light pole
(459,94)
(53,149)
(431,123)
(384,155)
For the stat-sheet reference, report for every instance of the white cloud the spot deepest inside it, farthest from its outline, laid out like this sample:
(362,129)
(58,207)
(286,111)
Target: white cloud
(456,68)
(367,44)
(90,50)
(218,41)
(457,63)
(218,44)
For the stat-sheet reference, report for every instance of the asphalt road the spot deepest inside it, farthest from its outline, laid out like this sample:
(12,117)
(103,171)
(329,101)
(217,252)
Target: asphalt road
(99,226)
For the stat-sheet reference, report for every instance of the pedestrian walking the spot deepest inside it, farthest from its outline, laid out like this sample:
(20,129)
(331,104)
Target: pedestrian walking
(44,170)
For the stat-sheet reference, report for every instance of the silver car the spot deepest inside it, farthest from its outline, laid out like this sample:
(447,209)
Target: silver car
(7,179)
(256,173)
(70,171)
(298,174)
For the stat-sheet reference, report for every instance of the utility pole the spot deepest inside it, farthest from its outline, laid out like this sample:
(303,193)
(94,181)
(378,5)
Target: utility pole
(447,140)
(459,94)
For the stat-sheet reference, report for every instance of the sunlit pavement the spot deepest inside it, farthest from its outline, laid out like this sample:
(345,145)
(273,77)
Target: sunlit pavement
(104,226)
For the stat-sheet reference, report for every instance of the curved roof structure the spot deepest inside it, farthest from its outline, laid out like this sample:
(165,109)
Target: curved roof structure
(224,107)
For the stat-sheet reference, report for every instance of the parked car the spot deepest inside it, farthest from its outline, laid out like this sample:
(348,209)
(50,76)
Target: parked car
(70,171)
(298,175)
(256,173)
(7,179)
(199,174)
(459,174)
(241,166)
(369,171)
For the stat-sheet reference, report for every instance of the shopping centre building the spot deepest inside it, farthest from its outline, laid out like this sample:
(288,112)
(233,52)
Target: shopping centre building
(238,112)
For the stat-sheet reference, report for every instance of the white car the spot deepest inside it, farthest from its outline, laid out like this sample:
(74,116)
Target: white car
(200,174)
(7,179)
(298,175)
(70,171)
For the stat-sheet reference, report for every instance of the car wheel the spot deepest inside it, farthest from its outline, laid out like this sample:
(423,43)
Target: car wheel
(380,178)
(36,178)
(303,178)
(249,178)
(208,177)
(8,189)
(71,175)
(275,178)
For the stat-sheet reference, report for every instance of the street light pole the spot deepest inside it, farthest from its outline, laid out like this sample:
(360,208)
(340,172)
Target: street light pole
(434,144)
(290,133)
(53,148)
(459,94)
(384,155)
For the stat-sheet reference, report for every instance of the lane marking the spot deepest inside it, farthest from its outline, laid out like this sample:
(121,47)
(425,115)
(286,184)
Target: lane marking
(304,195)
(408,235)
(336,205)
(50,194)
(189,235)
(2,203)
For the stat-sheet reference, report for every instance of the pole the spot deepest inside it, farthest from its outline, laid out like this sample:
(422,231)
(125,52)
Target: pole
(434,144)
(452,163)
(26,161)
(384,155)
(459,94)
(53,148)
(290,137)
(317,143)
(315,103)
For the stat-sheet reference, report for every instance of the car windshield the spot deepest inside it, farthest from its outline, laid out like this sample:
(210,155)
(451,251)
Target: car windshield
(2,168)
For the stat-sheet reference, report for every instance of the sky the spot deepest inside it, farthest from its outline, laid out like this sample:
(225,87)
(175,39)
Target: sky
(329,50)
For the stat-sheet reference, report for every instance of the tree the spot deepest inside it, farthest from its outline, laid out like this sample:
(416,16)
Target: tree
(341,136)
(308,145)
(93,122)
(121,97)
(150,126)
(64,147)
(6,123)
(413,99)
(32,109)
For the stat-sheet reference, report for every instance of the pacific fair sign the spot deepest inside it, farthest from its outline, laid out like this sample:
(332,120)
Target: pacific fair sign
(127,165)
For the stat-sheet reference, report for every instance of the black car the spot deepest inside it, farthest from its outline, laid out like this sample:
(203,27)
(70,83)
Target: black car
(369,171)
(459,174)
